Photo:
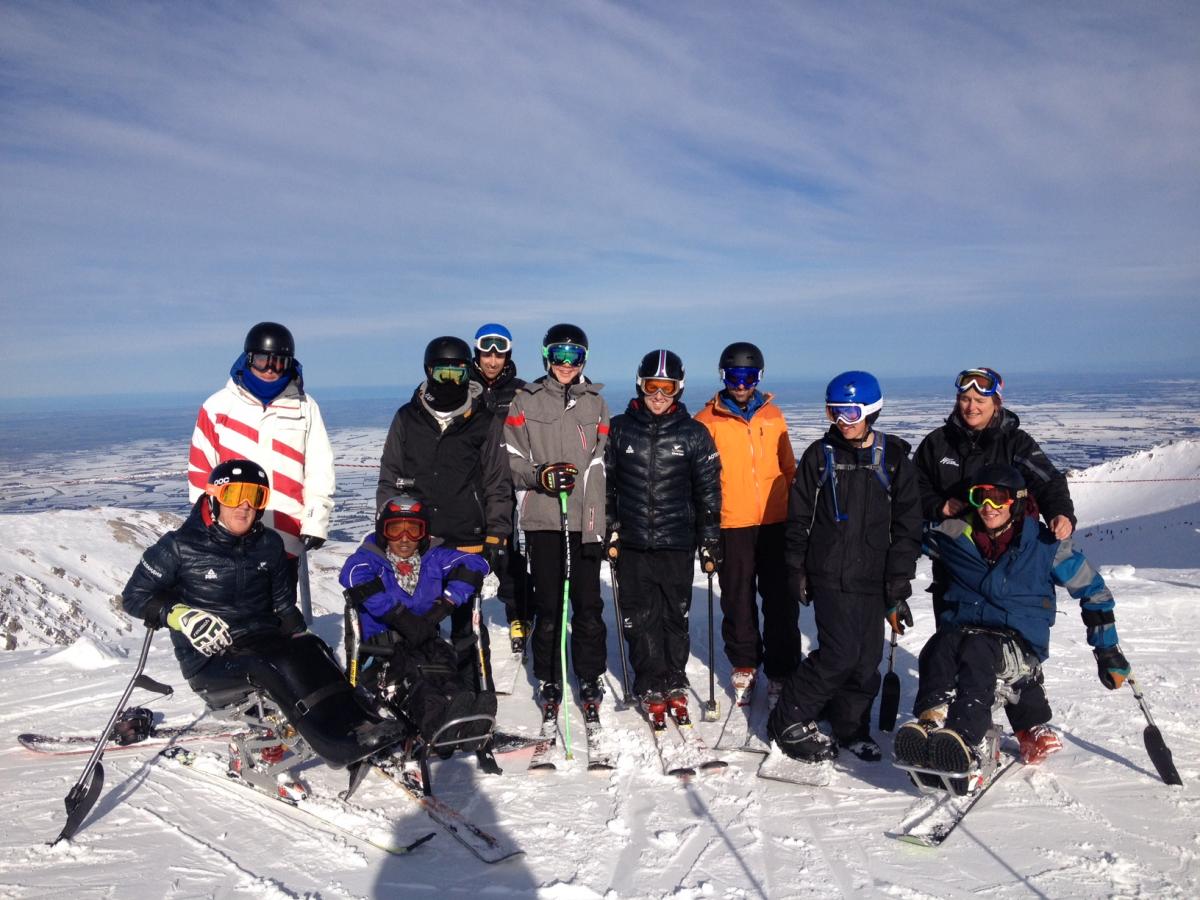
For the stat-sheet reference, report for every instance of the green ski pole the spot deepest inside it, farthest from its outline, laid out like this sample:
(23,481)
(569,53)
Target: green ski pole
(562,640)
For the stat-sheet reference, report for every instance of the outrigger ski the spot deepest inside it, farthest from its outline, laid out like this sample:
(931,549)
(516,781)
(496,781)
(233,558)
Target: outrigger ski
(294,802)
(73,744)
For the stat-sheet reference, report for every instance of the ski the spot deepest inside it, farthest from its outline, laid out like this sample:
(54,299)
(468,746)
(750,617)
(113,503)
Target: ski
(76,744)
(700,756)
(778,766)
(338,816)
(600,755)
(507,667)
(548,751)
(737,720)
(933,818)
(672,750)
(483,844)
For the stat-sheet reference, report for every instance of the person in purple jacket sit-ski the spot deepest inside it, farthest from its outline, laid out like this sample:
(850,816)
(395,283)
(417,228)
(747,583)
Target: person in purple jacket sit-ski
(401,587)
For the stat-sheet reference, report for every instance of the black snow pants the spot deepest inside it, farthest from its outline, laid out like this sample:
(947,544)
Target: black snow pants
(959,666)
(656,597)
(752,563)
(838,680)
(589,638)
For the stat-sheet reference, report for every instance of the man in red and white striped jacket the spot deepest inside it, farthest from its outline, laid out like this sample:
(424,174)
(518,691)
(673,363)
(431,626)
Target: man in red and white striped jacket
(263,414)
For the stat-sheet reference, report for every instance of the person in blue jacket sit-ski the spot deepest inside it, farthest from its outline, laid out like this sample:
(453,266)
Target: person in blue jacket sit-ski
(401,587)
(1003,567)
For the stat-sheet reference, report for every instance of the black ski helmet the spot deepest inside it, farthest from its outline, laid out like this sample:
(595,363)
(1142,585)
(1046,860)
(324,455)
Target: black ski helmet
(269,337)
(446,351)
(402,506)
(240,471)
(563,333)
(1004,475)
(661,364)
(741,354)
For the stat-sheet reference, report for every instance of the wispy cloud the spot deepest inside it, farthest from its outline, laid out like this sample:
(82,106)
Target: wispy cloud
(375,174)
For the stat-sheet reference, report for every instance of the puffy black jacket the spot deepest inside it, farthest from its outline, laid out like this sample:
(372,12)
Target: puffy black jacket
(244,580)
(663,480)
(949,457)
(879,538)
(462,473)
(498,395)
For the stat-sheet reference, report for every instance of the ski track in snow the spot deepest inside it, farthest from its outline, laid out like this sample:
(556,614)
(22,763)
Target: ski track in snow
(1093,821)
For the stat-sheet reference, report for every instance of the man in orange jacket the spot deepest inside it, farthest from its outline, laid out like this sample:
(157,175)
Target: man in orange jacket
(757,466)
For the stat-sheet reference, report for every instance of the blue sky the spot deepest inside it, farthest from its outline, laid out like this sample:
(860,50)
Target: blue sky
(905,187)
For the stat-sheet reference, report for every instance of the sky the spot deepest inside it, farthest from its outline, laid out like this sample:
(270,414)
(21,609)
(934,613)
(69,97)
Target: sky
(909,188)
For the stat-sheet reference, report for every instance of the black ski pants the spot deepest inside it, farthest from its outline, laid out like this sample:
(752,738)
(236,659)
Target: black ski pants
(656,597)
(752,563)
(513,591)
(589,638)
(838,680)
(957,661)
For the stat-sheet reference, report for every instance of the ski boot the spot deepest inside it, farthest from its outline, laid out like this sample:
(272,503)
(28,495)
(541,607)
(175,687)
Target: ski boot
(743,679)
(654,705)
(550,697)
(863,746)
(516,636)
(591,692)
(677,706)
(1037,743)
(135,723)
(804,742)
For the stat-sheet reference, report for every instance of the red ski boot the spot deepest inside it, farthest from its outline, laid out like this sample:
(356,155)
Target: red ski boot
(677,706)
(654,705)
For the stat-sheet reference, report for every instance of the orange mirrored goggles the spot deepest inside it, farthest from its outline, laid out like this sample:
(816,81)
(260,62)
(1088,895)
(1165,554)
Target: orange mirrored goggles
(668,387)
(404,529)
(235,493)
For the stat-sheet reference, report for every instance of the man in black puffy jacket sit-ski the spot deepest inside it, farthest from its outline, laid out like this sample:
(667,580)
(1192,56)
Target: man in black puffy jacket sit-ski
(220,584)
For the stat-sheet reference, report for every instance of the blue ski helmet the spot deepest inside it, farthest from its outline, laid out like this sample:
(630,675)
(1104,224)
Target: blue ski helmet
(494,338)
(856,388)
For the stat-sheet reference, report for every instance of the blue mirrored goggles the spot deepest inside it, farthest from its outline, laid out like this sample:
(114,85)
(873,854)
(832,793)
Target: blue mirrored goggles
(985,381)
(741,377)
(493,343)
(846,413)
(565,354)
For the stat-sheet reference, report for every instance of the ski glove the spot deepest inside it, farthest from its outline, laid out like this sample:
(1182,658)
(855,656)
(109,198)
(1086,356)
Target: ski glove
(798,585)
(710,557)
(416,630)
(1113,666)
(612,547)
(495,553)
(554,478)
(312,542)
(206,631)
(898,615)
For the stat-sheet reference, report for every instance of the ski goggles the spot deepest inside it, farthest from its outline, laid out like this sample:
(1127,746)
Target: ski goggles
(269,362)
(668,387)
(235,493)
(493,343)
(741,377)
(985,381)
(565,354)
(994,495)
(846,413)
(449,374)
(404,529)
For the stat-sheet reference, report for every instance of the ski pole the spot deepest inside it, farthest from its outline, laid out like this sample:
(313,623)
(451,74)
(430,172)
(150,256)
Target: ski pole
(1160,753)
(302,583)
(477,627)
(889,697)
(355,644)
(712,710)
(87,789)
(616,592)
(562,638)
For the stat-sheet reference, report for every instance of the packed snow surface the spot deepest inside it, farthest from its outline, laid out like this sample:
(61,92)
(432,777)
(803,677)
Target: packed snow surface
(1093,821)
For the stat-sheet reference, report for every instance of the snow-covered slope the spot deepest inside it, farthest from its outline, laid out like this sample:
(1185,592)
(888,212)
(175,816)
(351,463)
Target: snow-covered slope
(1093,821)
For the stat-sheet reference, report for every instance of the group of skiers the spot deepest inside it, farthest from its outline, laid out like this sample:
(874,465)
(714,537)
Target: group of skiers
(482,472)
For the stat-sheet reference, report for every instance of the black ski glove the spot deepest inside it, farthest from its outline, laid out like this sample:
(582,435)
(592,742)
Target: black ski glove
(495,553)
(1113,666)
(554,478)
(612,547)
(415,630)
(710,557)
(312,542)
(798,585)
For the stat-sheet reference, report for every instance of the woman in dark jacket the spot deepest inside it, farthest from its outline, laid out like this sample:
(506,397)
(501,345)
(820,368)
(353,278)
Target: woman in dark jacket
(663,501)
(979,432)
(220,583)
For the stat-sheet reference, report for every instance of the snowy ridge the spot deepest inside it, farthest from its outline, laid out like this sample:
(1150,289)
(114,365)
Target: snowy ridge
(1093,821)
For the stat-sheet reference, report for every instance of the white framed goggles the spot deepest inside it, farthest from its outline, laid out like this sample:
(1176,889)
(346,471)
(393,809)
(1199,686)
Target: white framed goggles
(493,343)
(986,382)
(846,413)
